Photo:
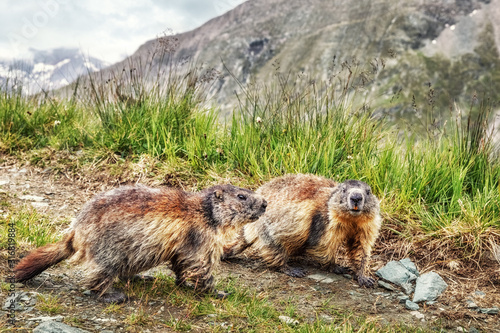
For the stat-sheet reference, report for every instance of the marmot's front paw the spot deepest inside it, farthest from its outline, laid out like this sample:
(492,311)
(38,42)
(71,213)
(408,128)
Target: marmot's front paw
(365,281)
(337,269)
(294,271)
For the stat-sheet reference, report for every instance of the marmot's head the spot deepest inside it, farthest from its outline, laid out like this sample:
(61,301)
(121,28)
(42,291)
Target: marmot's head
(354,197)
(228,205)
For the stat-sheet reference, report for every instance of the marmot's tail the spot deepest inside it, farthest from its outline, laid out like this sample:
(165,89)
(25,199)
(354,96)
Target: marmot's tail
(42,258)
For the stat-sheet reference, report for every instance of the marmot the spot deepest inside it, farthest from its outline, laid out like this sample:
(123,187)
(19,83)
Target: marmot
(133,228)
(311,215)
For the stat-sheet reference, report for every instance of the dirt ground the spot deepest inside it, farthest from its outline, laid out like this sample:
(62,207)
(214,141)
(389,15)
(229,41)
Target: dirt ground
(60,195)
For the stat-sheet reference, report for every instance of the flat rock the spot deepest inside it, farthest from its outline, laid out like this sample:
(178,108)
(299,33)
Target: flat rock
(411,306)
(44,319)
(397,273)
(410,266)
(57,327)
(429,287)
(492,311)
(289,321)
(323,278)
(32,198)
(386,285)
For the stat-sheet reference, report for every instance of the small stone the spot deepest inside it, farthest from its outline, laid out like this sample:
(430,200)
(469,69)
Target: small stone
(460,329)
(471,304)
(396,272)
(479,293)
(472,329)
(407,288)
(411,306)
(410,266)
(44,319)
(40,204)
(289,321)
(386,285)
(323,278)
(32,198)
(326,318)
(491,311)
(53,326)
(87,293)
(403,299)
(417,314)
(430,302)
(347,276)
(429,287)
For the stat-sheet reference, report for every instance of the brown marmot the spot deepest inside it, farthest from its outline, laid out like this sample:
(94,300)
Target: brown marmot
(133,228)
(311,215)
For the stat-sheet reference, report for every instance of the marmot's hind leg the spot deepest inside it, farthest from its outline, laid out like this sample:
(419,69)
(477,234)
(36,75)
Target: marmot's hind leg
(100,282)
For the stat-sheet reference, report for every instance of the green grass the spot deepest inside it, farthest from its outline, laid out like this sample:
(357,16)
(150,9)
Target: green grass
(444,182)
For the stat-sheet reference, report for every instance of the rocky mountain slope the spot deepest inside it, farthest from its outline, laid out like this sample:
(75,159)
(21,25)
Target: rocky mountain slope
(411,55)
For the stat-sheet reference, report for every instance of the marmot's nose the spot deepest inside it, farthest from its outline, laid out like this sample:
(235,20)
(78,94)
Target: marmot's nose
(264,204)
(356,199)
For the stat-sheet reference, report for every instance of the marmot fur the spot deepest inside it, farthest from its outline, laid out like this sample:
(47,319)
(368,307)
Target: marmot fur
(133,228)
(313,216)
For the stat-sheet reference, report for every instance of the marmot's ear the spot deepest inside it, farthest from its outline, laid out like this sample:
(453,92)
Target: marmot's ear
(218,193)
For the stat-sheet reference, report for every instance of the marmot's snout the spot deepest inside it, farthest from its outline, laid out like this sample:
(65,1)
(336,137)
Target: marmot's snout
(356,201)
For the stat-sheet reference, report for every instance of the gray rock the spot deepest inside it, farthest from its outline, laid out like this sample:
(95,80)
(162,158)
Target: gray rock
(32,198)
(492,311)
(56,327)
(44,319)
(396,272)
(403,299)
(289,321)
(429,287)
(323,278)
(471,304)
(408,288)
(479,293)
(411,306)
(386,285)
(17,302)
(410,266)
(472,329)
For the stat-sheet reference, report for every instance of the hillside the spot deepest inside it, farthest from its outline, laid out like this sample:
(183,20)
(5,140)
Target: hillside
(397,49)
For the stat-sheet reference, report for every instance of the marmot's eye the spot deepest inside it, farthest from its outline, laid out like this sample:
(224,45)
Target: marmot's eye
(368,192)
(242,197)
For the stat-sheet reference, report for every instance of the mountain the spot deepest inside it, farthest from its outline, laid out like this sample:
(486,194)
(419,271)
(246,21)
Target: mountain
(412,56)
(47,69)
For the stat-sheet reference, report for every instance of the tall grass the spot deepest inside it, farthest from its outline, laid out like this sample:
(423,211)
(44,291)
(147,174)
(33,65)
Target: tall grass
(441,184)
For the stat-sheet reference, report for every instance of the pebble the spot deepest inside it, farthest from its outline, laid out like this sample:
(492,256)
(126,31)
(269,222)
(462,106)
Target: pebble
(492,311)
(429,287)
(403,299)
(54,326)
(471,304)
(417,315)
(410,266)
(411,306)
(396,272)
(322,278)
(386,285)
(32,198)
(289,321)
(44,319)
(479,293)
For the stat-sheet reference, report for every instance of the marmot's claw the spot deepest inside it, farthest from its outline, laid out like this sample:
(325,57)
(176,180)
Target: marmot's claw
(365,281)
(294,271)
(337,269)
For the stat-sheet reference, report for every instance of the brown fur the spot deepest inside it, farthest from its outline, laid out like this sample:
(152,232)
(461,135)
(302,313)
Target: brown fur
(131,229)
(313,216)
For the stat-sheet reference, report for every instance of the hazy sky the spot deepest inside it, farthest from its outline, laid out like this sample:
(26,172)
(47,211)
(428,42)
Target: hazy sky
(106,29)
